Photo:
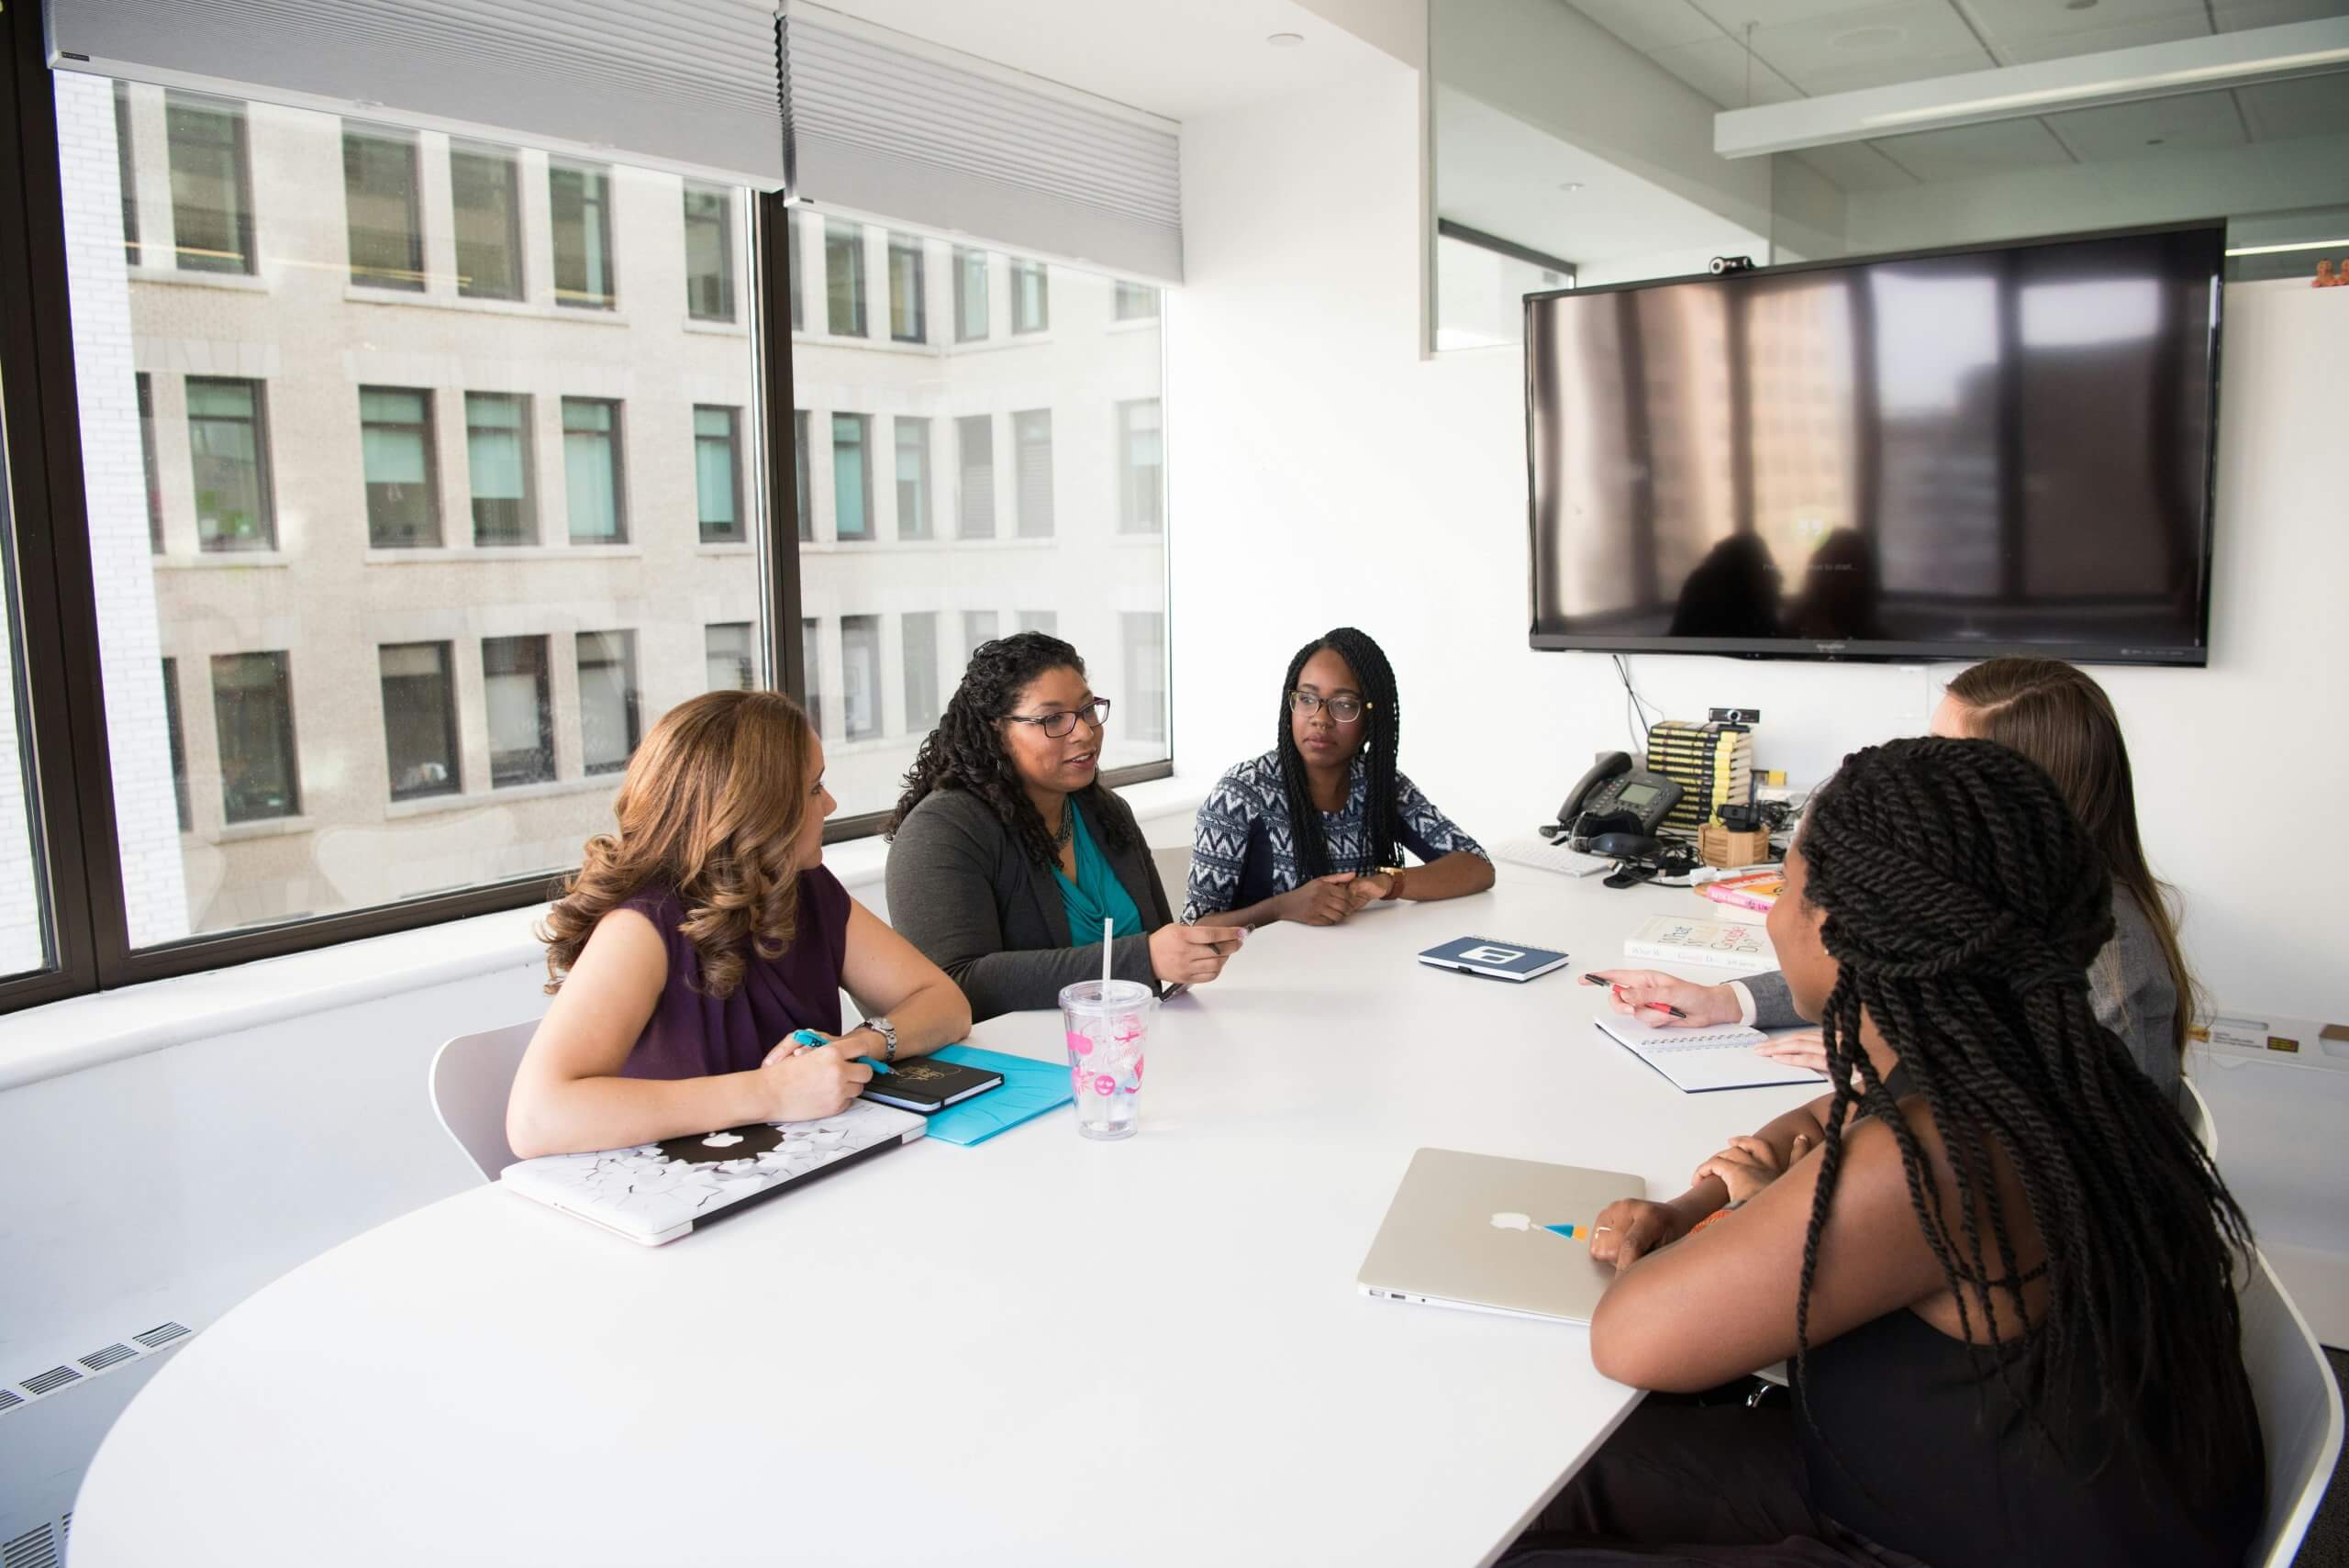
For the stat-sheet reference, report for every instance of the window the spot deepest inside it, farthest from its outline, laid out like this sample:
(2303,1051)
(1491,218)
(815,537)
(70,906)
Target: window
(607,712)
(796,271)
(579,200)
(970,295)
(860,676)
(919,634)
(1145,651)
(799,463)
(852,477)
(591,477)
(486,183)
(253,707)
(974,497)
(731,657)
(520,706)
(227,438)
(717,473)
(212,203)
(381,209)
(844,279)
(395,438)
(123,170)
(1046,621)
(709,253)
(175,737)
(1142,475)
(1031,433)
(978,627)
(811,654)
(147,461)
(907,316)
(1031,303)
(497,451)
(913,477)
(1135,302)
(419,720)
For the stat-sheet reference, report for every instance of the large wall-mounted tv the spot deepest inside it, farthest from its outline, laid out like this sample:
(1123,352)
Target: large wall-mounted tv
(1950,454)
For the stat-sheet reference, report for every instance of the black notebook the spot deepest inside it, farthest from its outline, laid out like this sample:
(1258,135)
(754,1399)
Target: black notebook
(924,1084)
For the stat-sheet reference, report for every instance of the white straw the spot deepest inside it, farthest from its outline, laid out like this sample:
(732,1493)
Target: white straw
(1107,927)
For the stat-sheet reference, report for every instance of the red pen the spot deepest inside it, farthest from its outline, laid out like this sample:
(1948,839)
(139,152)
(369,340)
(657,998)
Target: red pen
(1618,990)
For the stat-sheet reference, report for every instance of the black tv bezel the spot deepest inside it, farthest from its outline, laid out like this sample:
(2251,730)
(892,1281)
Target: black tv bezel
(2196,655)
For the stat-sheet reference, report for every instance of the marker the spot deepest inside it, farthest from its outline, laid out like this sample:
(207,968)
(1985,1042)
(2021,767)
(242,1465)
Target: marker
(1658,1006)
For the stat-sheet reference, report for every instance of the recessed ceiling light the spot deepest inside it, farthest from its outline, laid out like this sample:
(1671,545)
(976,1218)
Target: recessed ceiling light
(1869,37)
(1570,186)
(1286,41)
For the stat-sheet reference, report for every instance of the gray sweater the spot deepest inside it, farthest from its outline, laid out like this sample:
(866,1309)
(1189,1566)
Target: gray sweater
(961,891)
(2128,982)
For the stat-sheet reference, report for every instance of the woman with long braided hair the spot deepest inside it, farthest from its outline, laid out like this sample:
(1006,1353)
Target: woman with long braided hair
(1315,828)
(2008,1290)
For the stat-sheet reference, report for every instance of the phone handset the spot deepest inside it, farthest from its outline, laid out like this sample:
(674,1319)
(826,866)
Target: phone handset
(1613,764)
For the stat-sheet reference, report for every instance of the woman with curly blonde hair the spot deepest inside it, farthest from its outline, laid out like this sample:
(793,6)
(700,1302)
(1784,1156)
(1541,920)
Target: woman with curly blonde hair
(698,938)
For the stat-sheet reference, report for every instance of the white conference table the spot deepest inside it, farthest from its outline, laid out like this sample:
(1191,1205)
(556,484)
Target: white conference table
(1040,1350)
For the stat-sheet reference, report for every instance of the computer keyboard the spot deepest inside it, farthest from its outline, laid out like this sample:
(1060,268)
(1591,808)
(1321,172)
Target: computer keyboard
(1532,850)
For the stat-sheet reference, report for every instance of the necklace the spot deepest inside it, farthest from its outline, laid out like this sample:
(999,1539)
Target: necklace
(1068,826)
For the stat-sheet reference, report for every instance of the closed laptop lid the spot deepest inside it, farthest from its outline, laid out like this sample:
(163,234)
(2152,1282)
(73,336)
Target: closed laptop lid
(1441,1242)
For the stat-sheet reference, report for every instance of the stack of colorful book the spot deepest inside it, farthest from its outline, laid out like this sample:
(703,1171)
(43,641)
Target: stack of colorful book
(1713,764)
(1747,897)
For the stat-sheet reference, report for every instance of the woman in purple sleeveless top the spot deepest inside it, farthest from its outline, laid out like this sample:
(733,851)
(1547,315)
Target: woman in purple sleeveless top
(698,938)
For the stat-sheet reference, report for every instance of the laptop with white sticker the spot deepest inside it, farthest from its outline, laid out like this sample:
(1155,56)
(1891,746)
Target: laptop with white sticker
(1495,1235)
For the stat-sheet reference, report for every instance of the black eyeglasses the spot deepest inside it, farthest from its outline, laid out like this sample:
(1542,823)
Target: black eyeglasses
(1344,710)
(1057,724)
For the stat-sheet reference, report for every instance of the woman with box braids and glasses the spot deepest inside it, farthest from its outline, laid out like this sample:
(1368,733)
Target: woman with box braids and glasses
(2010,1287)
(1315,829)
(1008,853)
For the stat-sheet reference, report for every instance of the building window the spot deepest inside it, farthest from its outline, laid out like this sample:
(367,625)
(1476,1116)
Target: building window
(1031,300)
(227,437)
(978,629)
(974,496)
(860,677)
(852,477)
(175,734)
(799,475)
(419,720)
(594,484)
(1046,621)
(811,655)
(731,656)
(608,701)
(128,178)
(146,458)
(1145,649)
(970,295)
(395,440)
(1136,302)
(486,184)
(212,193)
(497,451)
(1142,473)
(844,279)
(252,706)
(580,200)
(913,477)
(1031,434)
(919,637)
(381,209)
(709,253)
(907,317)
(520,704)
(717,473)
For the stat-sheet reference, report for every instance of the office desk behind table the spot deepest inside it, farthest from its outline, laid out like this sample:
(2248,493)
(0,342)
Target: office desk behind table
(1038,1349)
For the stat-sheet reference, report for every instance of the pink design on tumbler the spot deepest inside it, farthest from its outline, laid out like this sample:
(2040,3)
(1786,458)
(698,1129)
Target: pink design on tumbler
(1105,1085)
(1080,1043)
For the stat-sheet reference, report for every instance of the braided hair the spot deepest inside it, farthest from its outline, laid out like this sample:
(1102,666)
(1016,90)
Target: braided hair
(1382,819)
(967,751)
(1964,904)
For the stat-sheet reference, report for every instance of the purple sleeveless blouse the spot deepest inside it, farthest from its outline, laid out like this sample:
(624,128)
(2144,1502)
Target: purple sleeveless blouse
(695,1035)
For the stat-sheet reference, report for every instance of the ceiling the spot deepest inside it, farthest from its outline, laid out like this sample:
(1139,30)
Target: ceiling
(1806,47)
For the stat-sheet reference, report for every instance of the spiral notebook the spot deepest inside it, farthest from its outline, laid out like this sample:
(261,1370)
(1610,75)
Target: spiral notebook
(1494,960)
(1700,1061)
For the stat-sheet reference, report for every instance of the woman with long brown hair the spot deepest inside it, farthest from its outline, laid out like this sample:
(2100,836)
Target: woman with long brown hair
(698,938)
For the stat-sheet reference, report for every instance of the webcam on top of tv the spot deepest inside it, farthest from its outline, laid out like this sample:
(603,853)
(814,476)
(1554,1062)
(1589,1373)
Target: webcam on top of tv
(1723,265)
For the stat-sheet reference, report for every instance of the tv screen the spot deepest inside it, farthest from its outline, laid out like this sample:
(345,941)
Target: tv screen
(1946,455)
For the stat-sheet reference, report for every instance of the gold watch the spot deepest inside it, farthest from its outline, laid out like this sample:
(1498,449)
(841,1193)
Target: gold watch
(1394,875)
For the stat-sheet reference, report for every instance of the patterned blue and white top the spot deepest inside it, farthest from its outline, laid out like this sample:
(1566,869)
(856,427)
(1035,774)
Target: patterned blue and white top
(1243,851)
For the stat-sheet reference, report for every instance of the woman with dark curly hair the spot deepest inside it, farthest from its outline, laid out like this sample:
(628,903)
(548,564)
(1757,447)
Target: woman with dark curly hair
(696,940)
(1008,854)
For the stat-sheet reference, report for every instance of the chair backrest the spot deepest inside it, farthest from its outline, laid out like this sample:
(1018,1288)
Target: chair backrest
(2300,1413)
(471,1076)
(2197,1111)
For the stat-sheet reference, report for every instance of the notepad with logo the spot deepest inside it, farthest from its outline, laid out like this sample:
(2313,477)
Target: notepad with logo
(1493,958)
(1699,1059)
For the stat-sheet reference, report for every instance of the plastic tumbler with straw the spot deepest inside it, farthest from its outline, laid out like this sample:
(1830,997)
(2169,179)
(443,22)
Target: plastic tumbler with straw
(1106,1025)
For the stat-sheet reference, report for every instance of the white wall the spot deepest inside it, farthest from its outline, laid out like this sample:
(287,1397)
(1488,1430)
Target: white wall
(1323,473)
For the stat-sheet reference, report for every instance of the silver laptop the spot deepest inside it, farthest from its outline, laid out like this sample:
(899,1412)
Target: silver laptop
(657,1192)
(1478,1231)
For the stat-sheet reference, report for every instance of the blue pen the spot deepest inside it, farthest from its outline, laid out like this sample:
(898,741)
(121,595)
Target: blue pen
(811,1039)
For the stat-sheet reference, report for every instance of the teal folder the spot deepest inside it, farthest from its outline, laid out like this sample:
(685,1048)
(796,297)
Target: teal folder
(1030,1089)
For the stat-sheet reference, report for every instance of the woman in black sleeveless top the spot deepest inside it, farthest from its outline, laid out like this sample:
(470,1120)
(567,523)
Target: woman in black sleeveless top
(2006,1279)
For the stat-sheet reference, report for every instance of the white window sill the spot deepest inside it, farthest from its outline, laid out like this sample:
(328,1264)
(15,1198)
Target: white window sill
(237,282)
(474,800)
(1137,323)
(110,1025)
(442,299)
(878,546)
(265,828)
(213,560)
(732,547)
(444,553)
(715,328)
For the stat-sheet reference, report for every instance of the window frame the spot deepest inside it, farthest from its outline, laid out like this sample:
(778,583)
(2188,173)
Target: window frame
(510,162)
(265,469)
(601,173)
(436,530)
(241,151)
(738,528)
(525,406)
(452,727)
(410,278)
(724,226)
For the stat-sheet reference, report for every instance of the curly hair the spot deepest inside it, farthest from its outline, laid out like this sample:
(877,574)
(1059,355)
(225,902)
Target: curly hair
(1382,817)
(967,751)
(712,804)
(1963,905)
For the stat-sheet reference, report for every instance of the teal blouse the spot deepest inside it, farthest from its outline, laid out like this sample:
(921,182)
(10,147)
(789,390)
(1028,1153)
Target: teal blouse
(1096,894)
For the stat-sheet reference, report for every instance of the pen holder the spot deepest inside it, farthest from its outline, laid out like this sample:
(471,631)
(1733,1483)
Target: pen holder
(1720,847)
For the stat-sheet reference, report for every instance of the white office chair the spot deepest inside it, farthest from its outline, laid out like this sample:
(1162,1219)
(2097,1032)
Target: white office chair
(471,1076)
(2300,1413)
(2197,1111)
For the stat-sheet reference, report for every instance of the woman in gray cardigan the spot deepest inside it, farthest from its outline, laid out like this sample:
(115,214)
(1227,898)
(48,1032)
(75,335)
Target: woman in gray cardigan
(1008,854)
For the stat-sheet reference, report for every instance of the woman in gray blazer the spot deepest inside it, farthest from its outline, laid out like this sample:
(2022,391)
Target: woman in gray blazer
(1008,854)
